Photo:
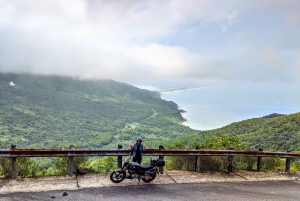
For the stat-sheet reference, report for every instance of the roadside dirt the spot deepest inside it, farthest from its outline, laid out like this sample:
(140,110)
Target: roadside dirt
(169,177)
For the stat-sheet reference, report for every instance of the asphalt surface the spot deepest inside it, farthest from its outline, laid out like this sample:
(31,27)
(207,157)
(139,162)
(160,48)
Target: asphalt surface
(217,191)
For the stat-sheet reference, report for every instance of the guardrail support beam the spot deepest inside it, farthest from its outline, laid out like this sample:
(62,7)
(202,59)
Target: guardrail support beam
(14,171)
(120,158)
(71,162)
(230,159)
(197,161)
(259,161)
(288,163)
(161,169)
(14,168)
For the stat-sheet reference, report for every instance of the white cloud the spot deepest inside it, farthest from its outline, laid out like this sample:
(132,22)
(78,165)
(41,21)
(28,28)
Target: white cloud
(125,40)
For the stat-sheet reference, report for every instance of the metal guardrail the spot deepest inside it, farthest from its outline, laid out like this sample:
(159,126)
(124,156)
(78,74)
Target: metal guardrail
(148,152)
(71,152)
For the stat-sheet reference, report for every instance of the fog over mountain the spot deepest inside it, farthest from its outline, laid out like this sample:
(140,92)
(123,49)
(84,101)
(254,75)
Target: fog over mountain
(155,43)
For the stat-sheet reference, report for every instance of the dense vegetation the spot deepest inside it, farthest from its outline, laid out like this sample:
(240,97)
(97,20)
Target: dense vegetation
(52,111)
(273,132)
(220,163)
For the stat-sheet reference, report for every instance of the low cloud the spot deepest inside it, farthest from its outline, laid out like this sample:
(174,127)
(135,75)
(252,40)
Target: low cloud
(143,41)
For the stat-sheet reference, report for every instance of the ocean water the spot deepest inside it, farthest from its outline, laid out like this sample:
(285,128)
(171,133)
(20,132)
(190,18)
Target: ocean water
(214,107)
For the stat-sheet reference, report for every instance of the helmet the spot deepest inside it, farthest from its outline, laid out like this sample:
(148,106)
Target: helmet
(139,139)
(153,161)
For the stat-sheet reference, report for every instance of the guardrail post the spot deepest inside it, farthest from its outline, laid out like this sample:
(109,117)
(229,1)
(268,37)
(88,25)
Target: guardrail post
(197,161)
(259,161)
(161,169)
(14,170)
(288,163)
(14,167)
(230,159)
(120,158)
(71,161)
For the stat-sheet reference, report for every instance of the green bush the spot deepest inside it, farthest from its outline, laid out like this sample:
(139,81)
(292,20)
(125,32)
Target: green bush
(62,164)
(270,163)
(295,166)
(103,165)
(207,163)
(26,167)
(214,163)
(180,163)
(245,163)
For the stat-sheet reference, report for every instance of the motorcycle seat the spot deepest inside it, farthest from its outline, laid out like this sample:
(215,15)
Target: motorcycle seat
(146,167)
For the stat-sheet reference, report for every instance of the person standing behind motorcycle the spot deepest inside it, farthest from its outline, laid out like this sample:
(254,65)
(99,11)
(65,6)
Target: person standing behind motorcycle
(137,150)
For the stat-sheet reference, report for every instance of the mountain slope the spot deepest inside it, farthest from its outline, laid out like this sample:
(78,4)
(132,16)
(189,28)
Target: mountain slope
(52,111)
(272,132)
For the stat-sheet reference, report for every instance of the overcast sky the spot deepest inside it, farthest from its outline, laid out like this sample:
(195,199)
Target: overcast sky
(154,42)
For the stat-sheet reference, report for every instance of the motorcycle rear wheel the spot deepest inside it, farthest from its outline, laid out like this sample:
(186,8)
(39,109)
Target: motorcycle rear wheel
(117,177)
(150,179)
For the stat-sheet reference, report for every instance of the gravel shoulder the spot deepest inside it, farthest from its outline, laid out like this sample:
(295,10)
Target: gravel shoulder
(169,177)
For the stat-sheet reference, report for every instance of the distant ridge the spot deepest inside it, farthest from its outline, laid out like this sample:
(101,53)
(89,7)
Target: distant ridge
(273,115)
(54,111)
(275,132)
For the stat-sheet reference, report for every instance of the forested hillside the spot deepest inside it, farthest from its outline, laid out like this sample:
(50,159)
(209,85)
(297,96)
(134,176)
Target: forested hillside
(52,111)
(272,132)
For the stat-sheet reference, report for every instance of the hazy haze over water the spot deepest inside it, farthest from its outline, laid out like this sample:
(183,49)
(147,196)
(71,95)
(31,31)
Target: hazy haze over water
(214,107)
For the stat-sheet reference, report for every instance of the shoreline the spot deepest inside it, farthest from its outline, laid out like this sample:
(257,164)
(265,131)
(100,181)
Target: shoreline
(185,120)
(163,91)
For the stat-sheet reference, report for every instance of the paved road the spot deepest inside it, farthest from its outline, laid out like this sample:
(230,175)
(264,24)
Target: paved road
(223,191)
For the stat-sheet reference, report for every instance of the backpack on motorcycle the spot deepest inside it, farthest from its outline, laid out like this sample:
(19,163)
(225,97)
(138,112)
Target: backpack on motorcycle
(160,163)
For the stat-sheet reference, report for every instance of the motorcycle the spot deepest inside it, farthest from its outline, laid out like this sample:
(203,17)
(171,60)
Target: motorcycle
(133,170)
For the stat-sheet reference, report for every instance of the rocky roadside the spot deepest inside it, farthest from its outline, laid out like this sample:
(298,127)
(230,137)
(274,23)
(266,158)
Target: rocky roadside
(169,177)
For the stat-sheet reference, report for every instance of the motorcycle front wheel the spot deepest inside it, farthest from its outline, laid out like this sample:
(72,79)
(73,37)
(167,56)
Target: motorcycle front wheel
(117,177)
(147,180)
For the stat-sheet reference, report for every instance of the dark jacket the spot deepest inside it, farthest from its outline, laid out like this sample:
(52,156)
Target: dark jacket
(134,150)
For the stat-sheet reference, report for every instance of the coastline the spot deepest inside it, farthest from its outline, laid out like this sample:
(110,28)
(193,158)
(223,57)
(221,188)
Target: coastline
(173,90)
(183,112)
(163,91)
(209,108)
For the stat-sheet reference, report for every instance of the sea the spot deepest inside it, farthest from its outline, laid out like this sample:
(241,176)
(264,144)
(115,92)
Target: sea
(214,107)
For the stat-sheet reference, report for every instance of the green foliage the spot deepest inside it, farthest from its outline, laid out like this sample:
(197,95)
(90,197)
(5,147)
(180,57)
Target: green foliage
(176,144)
(51,111)
(62,164)
(295,166)
(179,162)
(103,165)
(215,163)
(245,163)
(222,142)
(272,133)
(220,163)
(270,163)
(25,166)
